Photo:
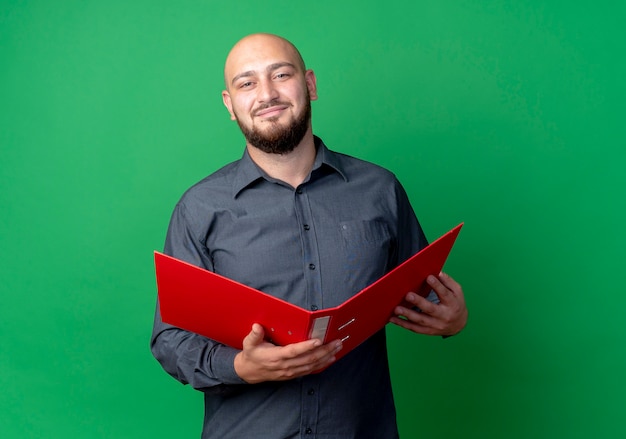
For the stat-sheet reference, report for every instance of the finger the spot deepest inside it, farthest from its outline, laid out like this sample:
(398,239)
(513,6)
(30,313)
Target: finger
(417,316)
(443,292)
(318,358)
(305,351)
(450,283)
(415,327)
(310,361)
(423,304)
(312,350)
(450,292)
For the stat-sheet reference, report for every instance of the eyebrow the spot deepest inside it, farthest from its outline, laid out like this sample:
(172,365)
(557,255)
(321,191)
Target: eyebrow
(269,68)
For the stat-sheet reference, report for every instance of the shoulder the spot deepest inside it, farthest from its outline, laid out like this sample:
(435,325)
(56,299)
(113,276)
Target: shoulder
(356,170)
(212,187)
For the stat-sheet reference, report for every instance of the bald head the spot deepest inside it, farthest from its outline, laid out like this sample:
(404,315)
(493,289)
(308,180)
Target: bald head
(259,47)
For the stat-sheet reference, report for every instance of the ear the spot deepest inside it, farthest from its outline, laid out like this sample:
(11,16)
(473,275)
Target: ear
(311,83)
(228,103)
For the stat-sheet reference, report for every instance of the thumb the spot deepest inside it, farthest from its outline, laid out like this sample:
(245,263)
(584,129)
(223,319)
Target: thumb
(256,335)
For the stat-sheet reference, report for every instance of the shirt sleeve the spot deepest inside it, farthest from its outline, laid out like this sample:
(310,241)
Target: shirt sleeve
(411,238)
(190,358)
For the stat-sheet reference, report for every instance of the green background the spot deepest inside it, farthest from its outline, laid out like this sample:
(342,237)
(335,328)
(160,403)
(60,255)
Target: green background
(507,115)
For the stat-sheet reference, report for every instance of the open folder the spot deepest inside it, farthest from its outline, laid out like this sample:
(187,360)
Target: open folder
(219,308)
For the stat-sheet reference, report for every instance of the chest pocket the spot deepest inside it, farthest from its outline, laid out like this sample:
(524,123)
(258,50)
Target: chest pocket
(367,247)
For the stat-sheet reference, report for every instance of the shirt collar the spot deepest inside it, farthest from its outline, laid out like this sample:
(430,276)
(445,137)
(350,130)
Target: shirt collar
(248,172)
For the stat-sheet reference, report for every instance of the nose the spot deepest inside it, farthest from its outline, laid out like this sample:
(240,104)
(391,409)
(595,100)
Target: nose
(266,91)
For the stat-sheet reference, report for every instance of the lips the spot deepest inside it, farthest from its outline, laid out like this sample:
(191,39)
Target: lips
(274,110)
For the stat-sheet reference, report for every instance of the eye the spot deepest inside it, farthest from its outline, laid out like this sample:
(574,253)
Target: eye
(282,75)
(246,84)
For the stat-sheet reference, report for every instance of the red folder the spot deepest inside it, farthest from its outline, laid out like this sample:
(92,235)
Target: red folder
(219,308)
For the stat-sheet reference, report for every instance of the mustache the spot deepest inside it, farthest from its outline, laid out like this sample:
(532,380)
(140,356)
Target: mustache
(270,104)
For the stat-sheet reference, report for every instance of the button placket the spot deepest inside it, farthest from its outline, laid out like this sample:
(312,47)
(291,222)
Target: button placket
(310,250)
(310,404)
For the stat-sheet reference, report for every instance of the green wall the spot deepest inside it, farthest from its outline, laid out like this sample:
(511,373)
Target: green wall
(508,115)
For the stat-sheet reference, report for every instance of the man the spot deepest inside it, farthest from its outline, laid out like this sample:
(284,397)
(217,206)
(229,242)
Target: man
(308,225)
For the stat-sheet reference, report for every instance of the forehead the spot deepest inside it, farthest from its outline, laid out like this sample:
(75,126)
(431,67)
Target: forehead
(257,53)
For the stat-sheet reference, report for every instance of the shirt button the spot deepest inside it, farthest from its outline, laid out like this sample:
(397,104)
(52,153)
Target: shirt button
(309,430)
(307,227)
(314,308)
(311,266)
(298,191)
(311,392)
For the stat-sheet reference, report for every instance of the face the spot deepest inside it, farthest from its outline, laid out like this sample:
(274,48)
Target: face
(269,93)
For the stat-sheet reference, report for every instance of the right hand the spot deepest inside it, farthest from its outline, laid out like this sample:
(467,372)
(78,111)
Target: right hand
(261,360)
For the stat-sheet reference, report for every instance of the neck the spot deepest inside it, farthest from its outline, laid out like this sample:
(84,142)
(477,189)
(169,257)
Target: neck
(292,168)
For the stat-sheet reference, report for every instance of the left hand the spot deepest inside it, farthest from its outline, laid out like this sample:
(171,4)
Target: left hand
(446,318)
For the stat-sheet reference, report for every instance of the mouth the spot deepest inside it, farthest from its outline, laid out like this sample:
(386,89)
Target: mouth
(272,111)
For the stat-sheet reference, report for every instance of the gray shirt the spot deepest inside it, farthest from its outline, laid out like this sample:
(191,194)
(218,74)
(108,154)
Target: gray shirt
(315,246)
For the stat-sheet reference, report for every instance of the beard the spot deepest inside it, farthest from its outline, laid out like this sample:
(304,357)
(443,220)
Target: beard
(278,139)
